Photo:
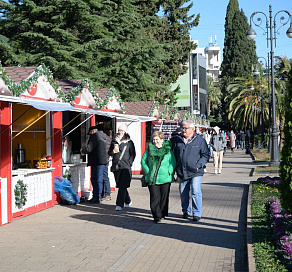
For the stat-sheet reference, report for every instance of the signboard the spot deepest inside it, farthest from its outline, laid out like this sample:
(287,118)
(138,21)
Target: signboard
(167,127)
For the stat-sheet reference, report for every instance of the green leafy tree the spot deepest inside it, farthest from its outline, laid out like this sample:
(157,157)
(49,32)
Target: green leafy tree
(214,96)
(286,162)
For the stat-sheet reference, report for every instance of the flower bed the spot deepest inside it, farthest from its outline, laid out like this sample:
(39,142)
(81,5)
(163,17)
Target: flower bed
(271,227)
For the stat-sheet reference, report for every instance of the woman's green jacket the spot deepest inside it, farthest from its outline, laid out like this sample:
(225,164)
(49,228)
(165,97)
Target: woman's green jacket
(158,163)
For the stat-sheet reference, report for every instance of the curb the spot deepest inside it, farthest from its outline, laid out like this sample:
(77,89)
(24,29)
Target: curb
(250,248)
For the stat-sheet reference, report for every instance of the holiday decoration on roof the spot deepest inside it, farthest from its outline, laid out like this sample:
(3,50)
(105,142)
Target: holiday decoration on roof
(110,96)
(31,82)
(155,110)
(85,84)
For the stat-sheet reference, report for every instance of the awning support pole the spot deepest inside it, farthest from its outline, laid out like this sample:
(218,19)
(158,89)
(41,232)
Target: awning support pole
(30,125)
(63,126)
(16,119)
(77,126)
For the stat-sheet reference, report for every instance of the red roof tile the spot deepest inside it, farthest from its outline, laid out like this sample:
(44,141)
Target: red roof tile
(102,92)
(68,85)
(17,74)
(141,108)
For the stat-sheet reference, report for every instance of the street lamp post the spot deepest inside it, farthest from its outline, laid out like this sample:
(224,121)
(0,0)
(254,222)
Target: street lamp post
(251,35)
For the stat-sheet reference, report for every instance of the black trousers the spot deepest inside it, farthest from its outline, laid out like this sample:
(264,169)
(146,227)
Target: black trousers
(123,197)
(159,199)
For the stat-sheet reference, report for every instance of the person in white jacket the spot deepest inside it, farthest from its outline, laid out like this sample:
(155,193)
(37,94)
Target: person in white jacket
(217,143)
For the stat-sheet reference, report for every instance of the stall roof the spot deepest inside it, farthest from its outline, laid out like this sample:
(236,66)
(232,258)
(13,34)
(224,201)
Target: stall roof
(134,118)
(17,74)
(139,108)
(50,105)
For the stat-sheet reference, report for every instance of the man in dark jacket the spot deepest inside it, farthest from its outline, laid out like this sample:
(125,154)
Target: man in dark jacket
(97,159)
(191,153)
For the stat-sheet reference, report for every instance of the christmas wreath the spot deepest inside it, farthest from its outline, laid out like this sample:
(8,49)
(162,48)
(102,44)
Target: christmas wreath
(20,192)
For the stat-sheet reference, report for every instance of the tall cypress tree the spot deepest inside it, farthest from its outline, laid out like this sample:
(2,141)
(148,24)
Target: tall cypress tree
(239,53)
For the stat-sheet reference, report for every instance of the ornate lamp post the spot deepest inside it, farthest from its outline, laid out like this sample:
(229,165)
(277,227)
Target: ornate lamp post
(251,35)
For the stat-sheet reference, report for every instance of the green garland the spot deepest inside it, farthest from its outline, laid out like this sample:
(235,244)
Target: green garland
(154,106)
(165,112)
(85,84)
(173,113)
(110,94)
(19,88)
(20,192)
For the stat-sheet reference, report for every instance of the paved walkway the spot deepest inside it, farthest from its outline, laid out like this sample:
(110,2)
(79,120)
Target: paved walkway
(89,237)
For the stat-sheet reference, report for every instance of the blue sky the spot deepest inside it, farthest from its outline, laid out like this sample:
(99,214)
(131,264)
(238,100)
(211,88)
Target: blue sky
(212,20)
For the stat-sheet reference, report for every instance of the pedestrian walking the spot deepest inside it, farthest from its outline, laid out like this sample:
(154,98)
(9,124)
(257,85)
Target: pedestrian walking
(218,143)
(106,188)
(232,138)
(97,159)
(191,153)
(158,162)
(123,151)
(243,140)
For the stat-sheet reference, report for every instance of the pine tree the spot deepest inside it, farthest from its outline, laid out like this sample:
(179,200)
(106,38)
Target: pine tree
(122,44)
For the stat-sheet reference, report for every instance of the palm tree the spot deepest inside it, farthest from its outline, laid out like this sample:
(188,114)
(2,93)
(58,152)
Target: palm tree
(246,104)
(282,69)
(214,95)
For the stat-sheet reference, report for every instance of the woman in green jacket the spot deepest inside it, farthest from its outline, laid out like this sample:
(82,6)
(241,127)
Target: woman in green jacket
(158,162)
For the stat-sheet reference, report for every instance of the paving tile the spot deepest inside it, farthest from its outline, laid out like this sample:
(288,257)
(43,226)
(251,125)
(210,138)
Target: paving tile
(97,238)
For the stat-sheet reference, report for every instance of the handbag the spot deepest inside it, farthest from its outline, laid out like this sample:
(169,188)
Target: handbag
(143,181)
(116,167)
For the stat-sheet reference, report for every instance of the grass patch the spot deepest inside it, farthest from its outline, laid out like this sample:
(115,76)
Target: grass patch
(261,154)
(267,169)
(263,240)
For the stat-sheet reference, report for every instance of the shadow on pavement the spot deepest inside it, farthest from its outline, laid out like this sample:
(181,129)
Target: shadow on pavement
(218,233)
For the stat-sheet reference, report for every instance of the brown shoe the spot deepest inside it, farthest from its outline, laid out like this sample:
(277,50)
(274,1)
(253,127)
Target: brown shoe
(107,198)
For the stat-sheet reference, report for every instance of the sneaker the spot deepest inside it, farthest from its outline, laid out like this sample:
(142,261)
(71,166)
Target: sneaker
(219,171)
(128,205)
(119,208)
(216,171)
(157,220)
(107,198)
(205,170)
(196,218)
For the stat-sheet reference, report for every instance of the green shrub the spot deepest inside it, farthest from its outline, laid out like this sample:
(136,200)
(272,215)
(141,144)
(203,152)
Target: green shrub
(286,163)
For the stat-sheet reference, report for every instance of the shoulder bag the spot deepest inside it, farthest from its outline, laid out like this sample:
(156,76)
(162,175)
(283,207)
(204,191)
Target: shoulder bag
(117,166)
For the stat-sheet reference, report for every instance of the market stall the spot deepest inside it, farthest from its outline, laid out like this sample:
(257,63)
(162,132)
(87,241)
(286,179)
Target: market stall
(27,161)
(75,124)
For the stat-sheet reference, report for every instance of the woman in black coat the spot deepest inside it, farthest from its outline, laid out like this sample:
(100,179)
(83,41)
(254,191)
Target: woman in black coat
(123,151)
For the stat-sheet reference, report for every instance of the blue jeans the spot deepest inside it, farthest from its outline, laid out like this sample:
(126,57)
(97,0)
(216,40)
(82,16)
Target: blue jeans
(97,180)
(211,151)
(184,187)
(106,182)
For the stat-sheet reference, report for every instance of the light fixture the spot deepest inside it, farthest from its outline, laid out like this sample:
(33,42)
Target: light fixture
(256,71)
(289,31)
(251,34)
